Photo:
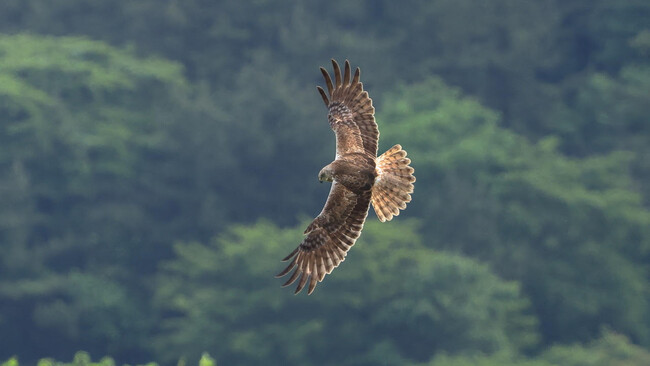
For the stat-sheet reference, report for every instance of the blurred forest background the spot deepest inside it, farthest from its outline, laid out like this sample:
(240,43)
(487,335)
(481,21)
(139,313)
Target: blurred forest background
(158,159)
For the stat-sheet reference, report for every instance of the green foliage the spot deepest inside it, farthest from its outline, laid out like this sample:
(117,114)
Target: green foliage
(609,113)
(206,360)
(570,230)
(75,125)
(11,362)
(82,358)
(610,349)
(225,289)
(502,359)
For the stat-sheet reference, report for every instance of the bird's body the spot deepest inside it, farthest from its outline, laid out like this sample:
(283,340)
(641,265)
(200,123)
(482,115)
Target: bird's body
(358,178)
(355,171)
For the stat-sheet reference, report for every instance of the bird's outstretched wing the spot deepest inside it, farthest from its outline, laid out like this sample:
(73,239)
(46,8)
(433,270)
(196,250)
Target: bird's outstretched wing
(351,114)
(328,237)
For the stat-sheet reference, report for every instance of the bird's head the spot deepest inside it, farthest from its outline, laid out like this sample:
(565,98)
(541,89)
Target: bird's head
(326,174)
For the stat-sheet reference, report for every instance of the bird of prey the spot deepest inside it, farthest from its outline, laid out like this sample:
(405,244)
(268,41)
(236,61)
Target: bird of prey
(359,177)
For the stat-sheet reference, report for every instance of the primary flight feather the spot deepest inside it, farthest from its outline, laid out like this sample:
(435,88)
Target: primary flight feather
(359,177)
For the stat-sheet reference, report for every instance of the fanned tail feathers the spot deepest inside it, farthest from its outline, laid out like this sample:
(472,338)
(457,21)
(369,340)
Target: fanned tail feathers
(393,185)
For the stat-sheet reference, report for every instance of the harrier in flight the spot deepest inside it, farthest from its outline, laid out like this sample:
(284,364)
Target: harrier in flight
(359,177)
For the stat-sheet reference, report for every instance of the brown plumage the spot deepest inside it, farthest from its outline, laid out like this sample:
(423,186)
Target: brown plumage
(394,183)
(358,178)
